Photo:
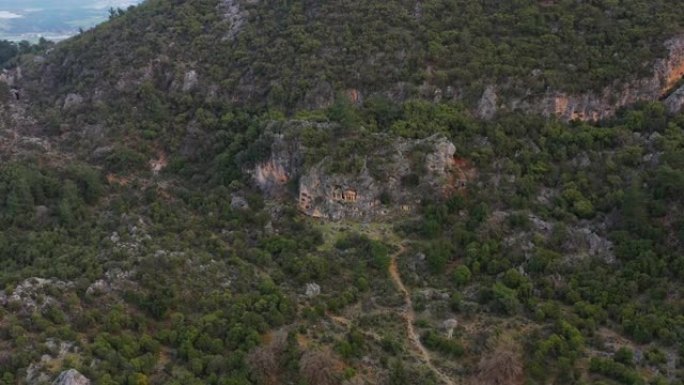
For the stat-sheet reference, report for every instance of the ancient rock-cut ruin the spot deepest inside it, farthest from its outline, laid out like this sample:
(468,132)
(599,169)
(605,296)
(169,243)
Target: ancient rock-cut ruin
(367,194)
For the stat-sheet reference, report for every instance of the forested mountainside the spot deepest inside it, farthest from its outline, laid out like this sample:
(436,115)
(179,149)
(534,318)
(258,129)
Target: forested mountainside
(346,192)
(294,55)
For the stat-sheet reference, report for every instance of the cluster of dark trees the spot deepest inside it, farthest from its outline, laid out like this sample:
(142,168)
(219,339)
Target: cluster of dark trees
(9,49)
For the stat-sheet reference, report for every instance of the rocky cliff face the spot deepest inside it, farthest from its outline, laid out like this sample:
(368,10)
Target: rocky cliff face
(394,178)
(593,106)
(274,175)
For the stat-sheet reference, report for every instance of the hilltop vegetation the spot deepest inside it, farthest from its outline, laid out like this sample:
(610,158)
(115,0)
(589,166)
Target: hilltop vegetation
(292,55)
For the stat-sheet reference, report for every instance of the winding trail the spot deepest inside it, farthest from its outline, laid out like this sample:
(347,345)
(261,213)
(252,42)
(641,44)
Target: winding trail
(409,317)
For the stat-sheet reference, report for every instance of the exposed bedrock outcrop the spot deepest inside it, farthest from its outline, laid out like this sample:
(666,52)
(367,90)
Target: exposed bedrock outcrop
(393,179)
(11,76)
(675,101)
(71,377)
(592,106)
(234,12)
(274,175)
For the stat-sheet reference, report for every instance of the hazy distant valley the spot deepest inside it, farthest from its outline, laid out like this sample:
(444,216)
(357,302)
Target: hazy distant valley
(51,19)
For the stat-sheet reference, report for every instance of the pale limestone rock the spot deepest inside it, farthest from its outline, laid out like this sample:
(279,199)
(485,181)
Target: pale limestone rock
(235,14)
(313,290)
(71,101)
(238,202)
(675,101)
(487,107)
(71,377)
(190,81)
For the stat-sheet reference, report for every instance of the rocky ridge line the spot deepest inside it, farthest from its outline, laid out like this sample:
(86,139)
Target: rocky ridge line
(592,106)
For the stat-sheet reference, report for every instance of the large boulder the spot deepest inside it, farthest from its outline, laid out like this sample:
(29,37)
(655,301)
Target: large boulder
(487,106)
(313,289)
(71,377)
(675,101)
(190,81)
(71,101)
(601,104)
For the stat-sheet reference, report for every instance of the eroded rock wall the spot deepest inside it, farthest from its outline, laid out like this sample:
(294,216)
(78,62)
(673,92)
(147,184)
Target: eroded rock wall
(395,177)
(593,106)
(274,175)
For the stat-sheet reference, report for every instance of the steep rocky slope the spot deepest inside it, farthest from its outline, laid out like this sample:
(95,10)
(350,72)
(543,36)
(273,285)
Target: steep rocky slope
(665,83)
(304,55)
(390,178)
